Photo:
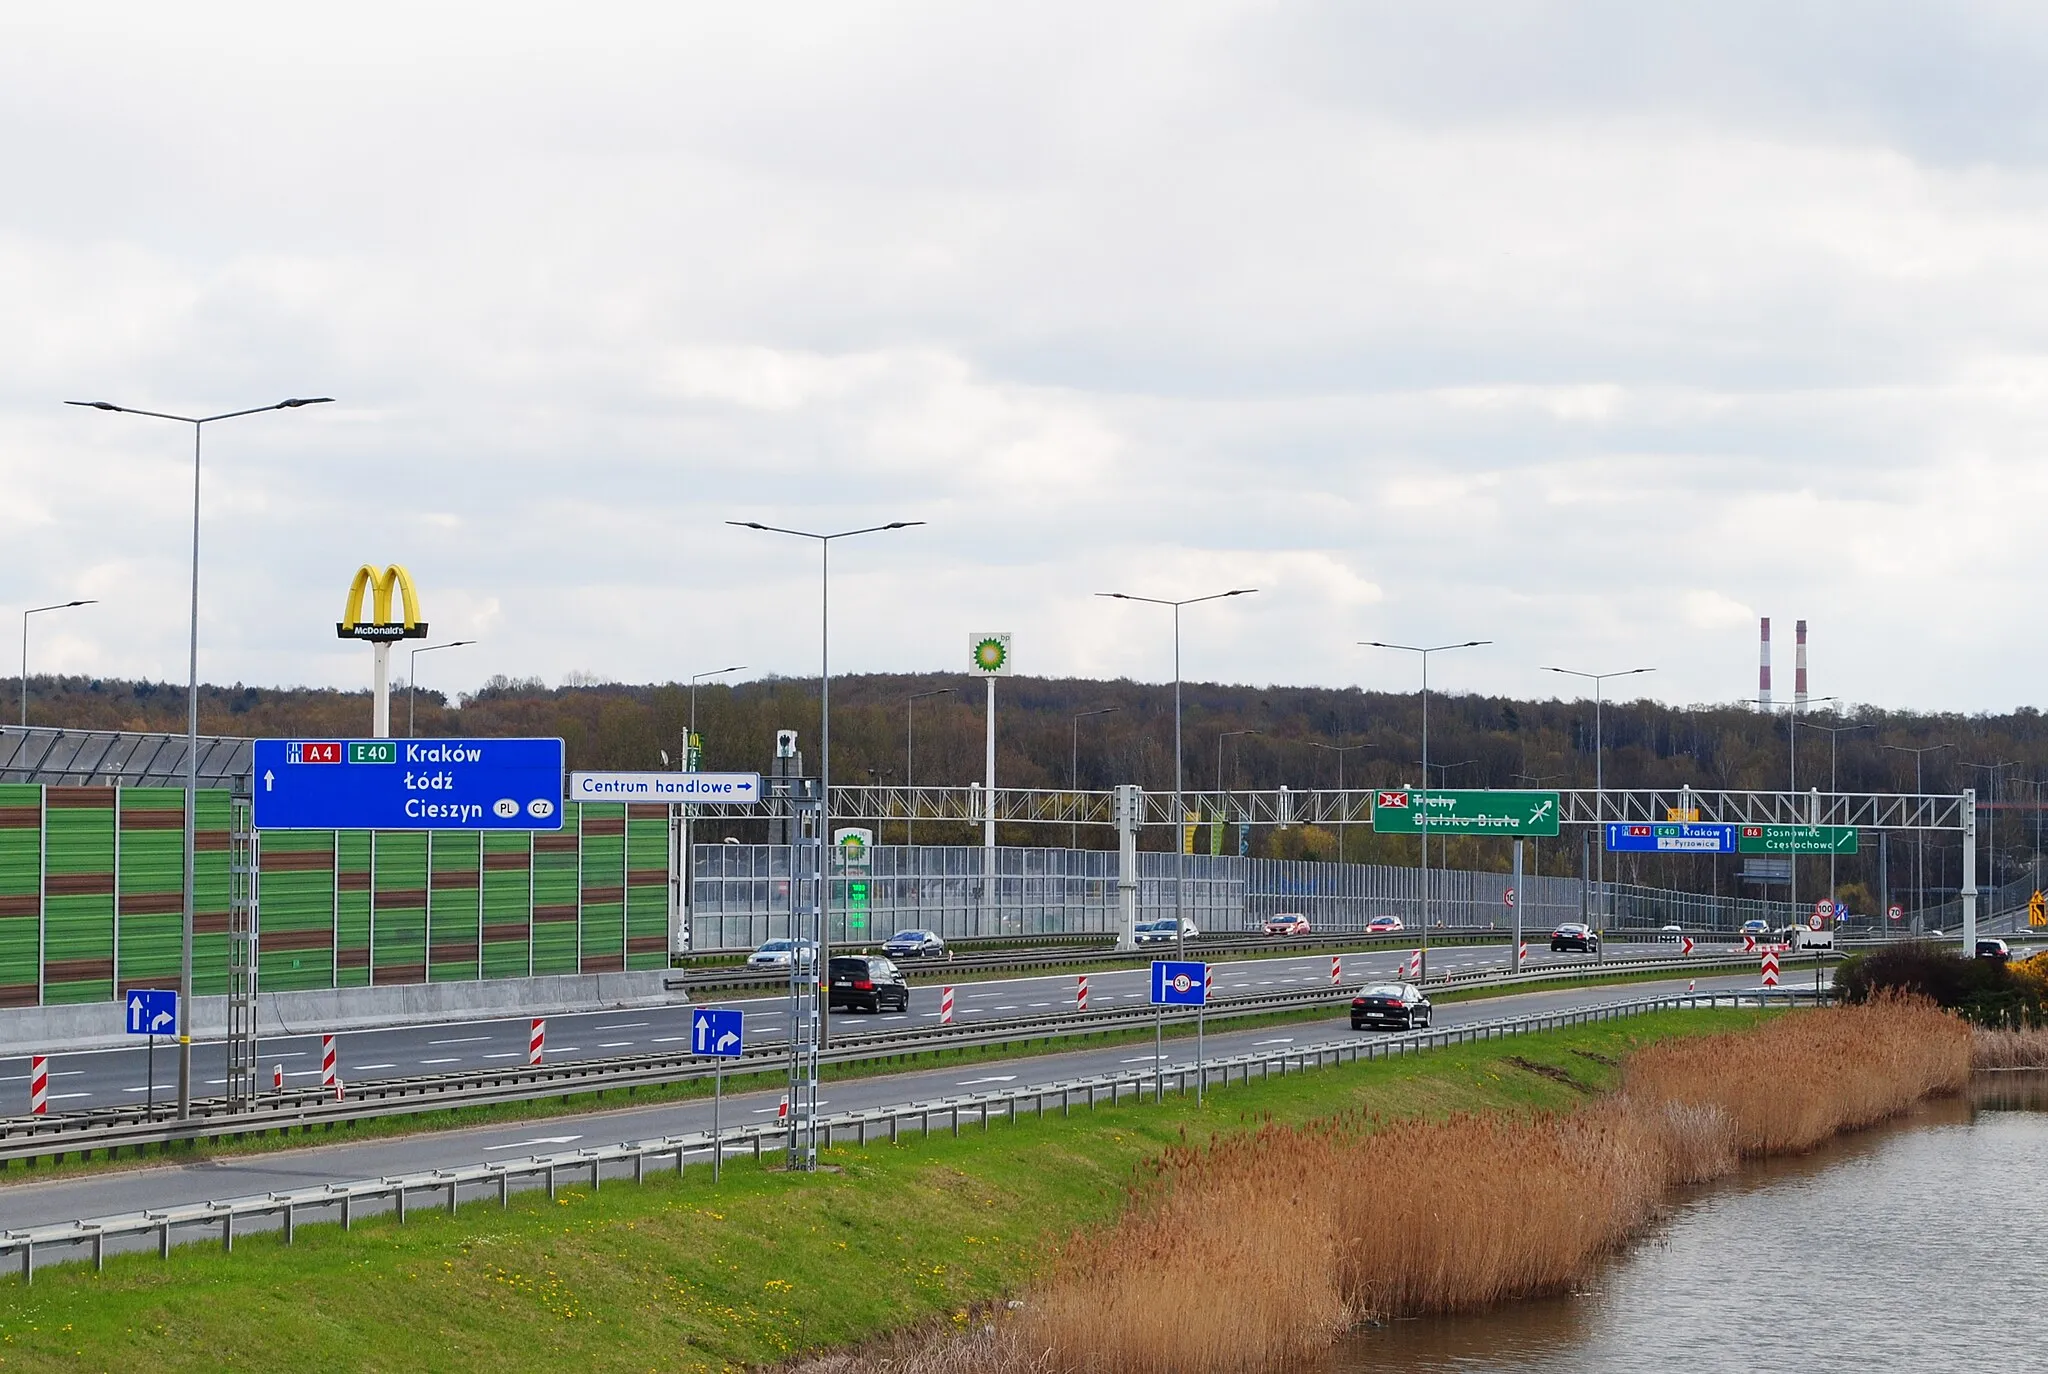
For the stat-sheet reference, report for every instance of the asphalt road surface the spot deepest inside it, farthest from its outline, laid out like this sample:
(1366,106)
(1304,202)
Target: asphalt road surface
(101,1078)
(112,1192)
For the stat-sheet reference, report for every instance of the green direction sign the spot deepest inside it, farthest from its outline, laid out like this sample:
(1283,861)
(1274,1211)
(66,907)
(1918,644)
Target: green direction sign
(373,751)
(1796,839)
(1465,813)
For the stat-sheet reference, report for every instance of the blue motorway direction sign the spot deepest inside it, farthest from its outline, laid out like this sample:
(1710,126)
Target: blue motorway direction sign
(407,784)
(722,1034)
(1672,837)
(153,1011)
(1179,983)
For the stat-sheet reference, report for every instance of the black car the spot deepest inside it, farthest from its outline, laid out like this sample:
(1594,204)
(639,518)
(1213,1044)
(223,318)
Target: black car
(1390,1004)
(1574,936)
(1996,950)
(866,982)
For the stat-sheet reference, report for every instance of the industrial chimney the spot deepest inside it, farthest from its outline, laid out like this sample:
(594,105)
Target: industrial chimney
(1799,667)
(1763,668)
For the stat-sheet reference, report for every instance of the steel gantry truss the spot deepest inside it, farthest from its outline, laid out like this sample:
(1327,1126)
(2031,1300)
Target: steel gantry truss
(1880,811)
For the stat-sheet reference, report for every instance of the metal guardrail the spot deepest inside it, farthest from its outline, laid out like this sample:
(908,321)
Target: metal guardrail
(33,1137)
(345,1202)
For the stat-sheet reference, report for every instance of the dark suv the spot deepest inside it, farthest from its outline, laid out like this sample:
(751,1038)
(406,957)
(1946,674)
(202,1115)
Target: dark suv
(867,982)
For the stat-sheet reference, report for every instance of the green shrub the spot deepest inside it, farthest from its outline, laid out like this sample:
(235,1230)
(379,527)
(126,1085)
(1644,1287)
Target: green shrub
(1982,990)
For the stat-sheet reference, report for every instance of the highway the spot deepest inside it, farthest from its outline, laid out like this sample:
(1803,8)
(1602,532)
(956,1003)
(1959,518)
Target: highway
(98,1078)
(112,1191)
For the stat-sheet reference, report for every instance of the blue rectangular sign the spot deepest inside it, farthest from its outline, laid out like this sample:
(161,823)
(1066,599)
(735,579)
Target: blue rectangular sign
(721,1034)
(152,1011)
(408,784)
(1670,837)
(1179,983)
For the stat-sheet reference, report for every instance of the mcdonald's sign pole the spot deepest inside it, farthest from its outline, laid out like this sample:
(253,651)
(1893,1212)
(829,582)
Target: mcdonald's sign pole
(381,630)
(198,423)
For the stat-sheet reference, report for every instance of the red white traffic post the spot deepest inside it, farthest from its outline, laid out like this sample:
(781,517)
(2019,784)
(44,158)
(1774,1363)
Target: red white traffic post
(1081,993)
(39,1085)
(945,1006)
(536,1040)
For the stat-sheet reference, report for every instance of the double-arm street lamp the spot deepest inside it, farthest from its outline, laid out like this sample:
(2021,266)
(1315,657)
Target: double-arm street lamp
(1599,681)
(1919,836)
(199,424)
(824,542)
(1834,734)
(38,610)
(1180,844)
(910,752)
(1991,826)
(1340,750)
(1423,652)
(695,678)
(1074,767)
(412,673)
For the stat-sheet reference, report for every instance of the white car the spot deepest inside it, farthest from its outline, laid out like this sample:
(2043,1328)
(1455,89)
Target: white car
(1150,932)
(780,953)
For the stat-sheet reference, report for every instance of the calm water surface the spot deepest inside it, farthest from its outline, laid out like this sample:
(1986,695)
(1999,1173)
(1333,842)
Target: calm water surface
(1922,1246)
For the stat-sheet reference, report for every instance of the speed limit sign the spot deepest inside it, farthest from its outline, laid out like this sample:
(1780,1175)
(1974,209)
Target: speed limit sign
(1813,921)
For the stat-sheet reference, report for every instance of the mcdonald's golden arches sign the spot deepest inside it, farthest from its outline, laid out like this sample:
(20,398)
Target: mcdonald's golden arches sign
(380,625)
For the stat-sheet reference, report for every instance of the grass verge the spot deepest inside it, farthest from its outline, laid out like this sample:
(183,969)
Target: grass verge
(572,1104)
(677,1275)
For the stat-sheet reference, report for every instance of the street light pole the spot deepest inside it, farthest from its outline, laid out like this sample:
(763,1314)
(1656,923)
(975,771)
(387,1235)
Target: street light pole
(412,672)
(824,541)
(38,610)
(1222,736)
(1991,828)
(1074,769)
(1340,750)
(1919,836)
(909,749)
(198,423)
(1180,842)
(695,678)
(1599,681)
(1424,653)
(1834,733)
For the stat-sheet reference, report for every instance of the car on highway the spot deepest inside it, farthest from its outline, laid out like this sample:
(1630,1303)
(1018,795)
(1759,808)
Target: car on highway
(1287,923)
(1575,935)
(865,982)
(1994,949)
(1390,1004)
(1383,925)
(914,944)
(1164,931)
(780,953)
(1758,928)
(1670,935)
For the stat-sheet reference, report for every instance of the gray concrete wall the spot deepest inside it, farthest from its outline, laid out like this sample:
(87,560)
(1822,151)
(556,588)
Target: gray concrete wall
(47,1030)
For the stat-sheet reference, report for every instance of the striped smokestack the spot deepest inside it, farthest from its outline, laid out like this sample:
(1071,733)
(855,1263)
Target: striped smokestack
(1763,668)
(1799,666)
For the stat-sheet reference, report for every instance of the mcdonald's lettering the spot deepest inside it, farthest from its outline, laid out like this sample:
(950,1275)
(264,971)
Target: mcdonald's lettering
(380,625)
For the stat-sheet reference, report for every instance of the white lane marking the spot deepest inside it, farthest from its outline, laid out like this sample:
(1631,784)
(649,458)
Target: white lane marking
(538,1140)
(669,1039)
(508,1054)
(994,1078)
(59,1097)
(615,1044)
(896,1018)
(441,1061)
(1283,1040)
(624,1025)
(1041,1004)
(465,1040)
(1011,1007)
(360,1068)
(54,1073)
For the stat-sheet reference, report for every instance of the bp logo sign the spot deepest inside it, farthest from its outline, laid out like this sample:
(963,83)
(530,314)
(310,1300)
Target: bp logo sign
(990,654)
(854,847)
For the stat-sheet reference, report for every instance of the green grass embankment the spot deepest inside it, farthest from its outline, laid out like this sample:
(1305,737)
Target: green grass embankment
(679,1275)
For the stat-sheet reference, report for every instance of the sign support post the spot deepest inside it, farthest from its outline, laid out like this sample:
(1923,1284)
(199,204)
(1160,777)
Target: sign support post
(1515,907)
(717,1140)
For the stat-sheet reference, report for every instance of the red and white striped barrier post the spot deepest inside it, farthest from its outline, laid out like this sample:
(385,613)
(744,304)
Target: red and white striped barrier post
(327,1061)
(1415,964)
(1208,982)
(536,1040)
(337,1088)
(1770,968)
(1081,993)
(277,1078)
(1336,969)
(945,1006)
(1522,954)
(1685,945)
(782,1108)
(39,1085)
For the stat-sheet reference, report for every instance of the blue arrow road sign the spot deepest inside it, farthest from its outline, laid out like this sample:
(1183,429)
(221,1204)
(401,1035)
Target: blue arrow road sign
(722,1034)
(153,1011)
(1675,837)
(1179,983)
(406,784)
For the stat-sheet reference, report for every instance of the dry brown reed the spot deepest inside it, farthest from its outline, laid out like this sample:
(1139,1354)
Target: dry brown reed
(2009,1049)
(1254,1252)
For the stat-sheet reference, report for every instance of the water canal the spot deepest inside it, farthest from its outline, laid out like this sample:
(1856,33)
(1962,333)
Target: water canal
(1923,1245)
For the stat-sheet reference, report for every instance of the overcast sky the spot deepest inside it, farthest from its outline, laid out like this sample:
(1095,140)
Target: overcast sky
(1594,329)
